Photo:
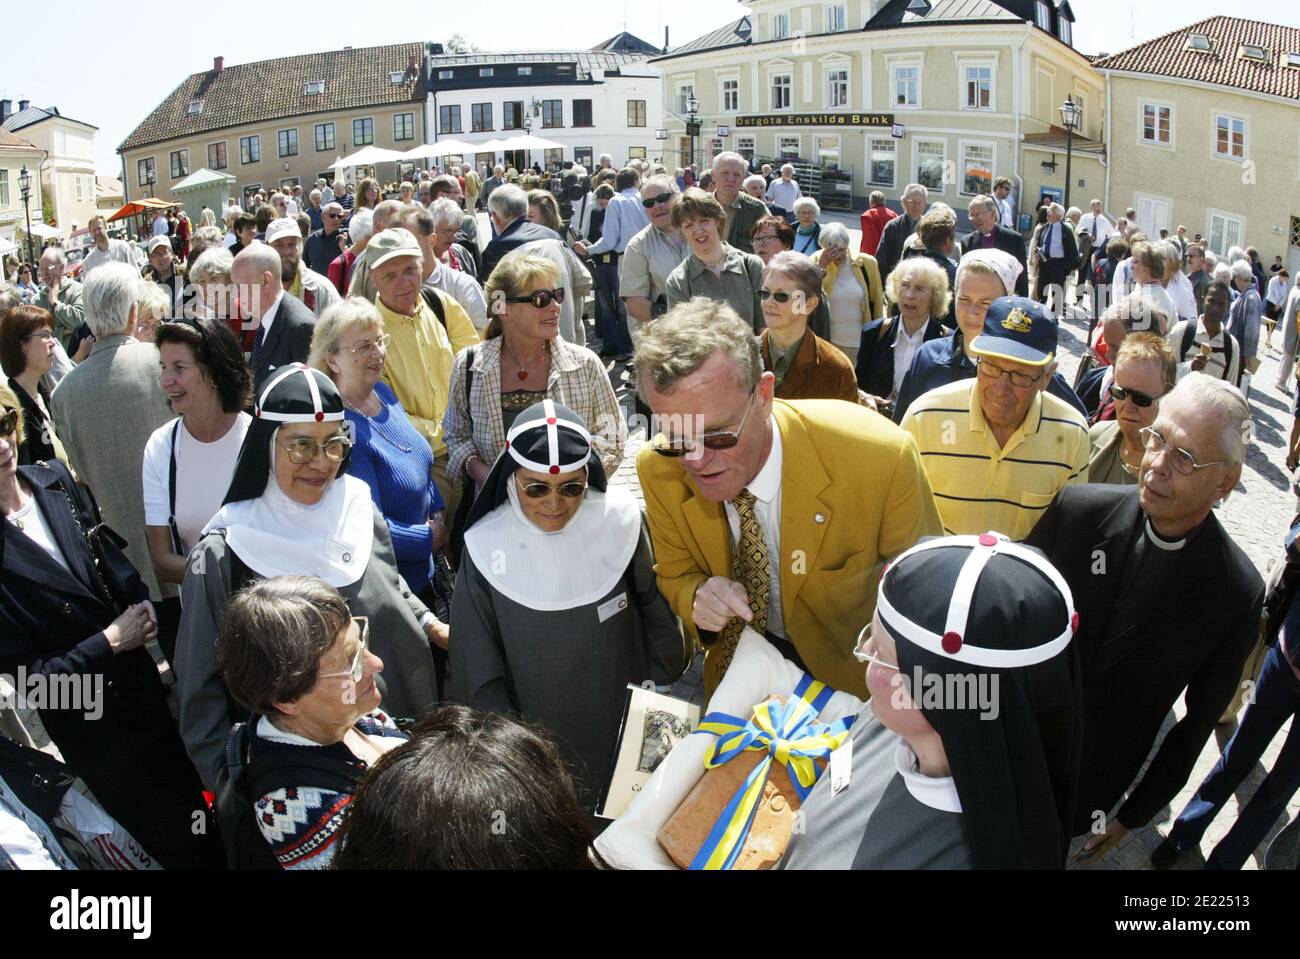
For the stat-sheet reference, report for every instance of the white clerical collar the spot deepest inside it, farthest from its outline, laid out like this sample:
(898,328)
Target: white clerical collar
(767,484)
(1171,546)
(936,792)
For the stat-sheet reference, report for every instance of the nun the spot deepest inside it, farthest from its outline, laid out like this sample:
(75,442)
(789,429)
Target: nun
(966,755)
(556,609)
(292,510)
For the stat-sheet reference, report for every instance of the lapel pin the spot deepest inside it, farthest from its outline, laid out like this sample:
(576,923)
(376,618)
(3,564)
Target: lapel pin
(819,518)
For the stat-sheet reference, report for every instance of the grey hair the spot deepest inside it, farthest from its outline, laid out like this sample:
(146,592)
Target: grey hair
(385,213)
(1171,251)
(834,234)
(446,213)
(729,156)
(798,269)
(418,216)
(508,202)
(315,195)
(983,200)
(1072,212)
(877,198)
(109,294)
(1200,392)
(807,201)
(1222,272)
(754,178)
(1236,253)
(56,252)
(1057,209)
(663,180)
(336,321)
(683,339)
(361,225)
(1241,270)
(212,265)
(916,188)
(787,166)
(1138,313)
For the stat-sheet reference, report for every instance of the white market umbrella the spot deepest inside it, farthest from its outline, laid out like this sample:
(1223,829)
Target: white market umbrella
(369,156)
(527,141)
(442,148)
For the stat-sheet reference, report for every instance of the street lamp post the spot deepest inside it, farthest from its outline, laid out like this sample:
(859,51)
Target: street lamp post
(528,131)
(151,178)
(25,188)
(1070,118)
(692,124)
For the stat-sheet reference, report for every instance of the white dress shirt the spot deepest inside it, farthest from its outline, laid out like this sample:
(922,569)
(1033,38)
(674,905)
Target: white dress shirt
(766,487)
(783,193)
(625,217)
(1098,227)
(1006,214)
(264,324)
(905,347)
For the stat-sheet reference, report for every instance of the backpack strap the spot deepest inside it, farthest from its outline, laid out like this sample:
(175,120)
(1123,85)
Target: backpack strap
(1188,340)
(171,493)
(435,303)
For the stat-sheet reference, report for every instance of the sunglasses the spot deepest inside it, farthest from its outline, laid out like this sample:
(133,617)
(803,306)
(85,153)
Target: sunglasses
(305,449)
(1118,393)
(540,490)
(656,200)
(540,299)
(716,440)
(355,671)
(780,297)
(9,422)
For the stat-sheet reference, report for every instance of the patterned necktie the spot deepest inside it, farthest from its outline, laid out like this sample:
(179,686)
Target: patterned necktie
(259,340)
(749,568)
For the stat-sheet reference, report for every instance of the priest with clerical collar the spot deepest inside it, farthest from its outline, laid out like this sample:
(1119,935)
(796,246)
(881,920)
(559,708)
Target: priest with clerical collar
(1168,602)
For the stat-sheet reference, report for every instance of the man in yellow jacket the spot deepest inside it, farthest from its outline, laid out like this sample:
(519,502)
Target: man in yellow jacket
(773,514)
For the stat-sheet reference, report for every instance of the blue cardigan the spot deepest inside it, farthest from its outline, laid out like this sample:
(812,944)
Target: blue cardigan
(395,462)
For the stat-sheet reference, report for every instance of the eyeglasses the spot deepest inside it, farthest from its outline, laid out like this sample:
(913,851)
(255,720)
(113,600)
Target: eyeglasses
(1183,461)
(656,200)
(715,440)
(540,490)
(1118,394)
(42,334)
(9,422)
(991,372)
(866,635)
(355,671)
(779,296)
(540,299)
(332,216)
(767,238)
(372,346)
(305,449)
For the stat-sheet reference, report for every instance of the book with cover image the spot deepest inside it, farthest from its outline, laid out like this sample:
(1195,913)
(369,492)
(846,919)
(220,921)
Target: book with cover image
(652,725)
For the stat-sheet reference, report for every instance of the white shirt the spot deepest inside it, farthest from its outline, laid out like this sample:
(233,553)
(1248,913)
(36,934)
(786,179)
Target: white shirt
(160,225)
(783,194)
(1158,295)
(766,487)
(1122,280)
(38,531)
(905,347)
(203,472)
(1183,296)
(462,288)
(291,207)
(119,251)
(1277,291)
(1006,213)
(846,308)
(1215,362)
(1104,228)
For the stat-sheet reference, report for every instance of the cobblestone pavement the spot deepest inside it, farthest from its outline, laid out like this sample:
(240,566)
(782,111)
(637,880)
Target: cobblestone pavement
(1257,515)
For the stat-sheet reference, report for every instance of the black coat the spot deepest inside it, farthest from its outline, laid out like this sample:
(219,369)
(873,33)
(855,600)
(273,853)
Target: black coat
(1195,636)
(1008,241)
(288,340)
(892,238)
(1069,244)
(513,236)
(875,364)
(37,426)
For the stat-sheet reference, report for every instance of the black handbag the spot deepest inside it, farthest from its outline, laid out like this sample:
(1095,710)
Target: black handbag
(118,581)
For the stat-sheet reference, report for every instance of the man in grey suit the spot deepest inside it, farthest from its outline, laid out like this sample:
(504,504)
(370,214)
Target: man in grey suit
(107,407)
(282,325)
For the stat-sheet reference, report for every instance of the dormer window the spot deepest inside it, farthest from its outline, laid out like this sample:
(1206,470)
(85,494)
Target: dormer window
(1250,51)
(1065,30)
(1200,42)
(1043,15)
(780,26)
(196,107)
(316,86)
(919,7)
(396,76)
(1293,59)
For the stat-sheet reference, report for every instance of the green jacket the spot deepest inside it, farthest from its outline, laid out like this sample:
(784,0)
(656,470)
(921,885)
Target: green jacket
(68,313)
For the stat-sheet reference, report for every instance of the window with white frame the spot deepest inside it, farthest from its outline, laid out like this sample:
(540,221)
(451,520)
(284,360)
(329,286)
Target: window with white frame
(1156,125)
(1066,32)
(931,157)
(77,180)
(730,96)
(1230,137)
(1081,102)
(907,85)
(781,84)
(1043,15)
(1226,231)
(636,113)
(286,142)
(363,130)
(250,149)
(977,80)
(780,26)
(837,88)
(525,71)
(787,146)
(836,18)
(745,147)
(684,93)
(976,169)
(324,136)
(882,163)
(4,188)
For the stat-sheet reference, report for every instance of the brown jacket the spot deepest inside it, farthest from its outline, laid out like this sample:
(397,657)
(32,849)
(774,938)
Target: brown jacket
(819,372)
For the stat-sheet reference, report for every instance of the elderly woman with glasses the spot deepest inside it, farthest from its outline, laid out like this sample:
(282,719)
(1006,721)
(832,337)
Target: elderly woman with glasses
(554,633)
(806,366)
(851,287)
(292,510)
(294,654)
(1144,372)
(715,268)
(919,287)
(807,234)
(27,346)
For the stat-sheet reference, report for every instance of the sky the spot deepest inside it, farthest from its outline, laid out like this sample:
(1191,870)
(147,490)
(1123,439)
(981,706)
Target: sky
(86,58)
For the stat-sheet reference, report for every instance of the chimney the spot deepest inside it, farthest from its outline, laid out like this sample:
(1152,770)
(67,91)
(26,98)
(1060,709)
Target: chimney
(218,63)
(414,64)
(23,105)
(6,110)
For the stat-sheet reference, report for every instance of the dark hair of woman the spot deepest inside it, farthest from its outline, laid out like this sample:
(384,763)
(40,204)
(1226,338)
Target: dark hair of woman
(16,325)
(778,225)
(471,790)
(262,219)
(217,351)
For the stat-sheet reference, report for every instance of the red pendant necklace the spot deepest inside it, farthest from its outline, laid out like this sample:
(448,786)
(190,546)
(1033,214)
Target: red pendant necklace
(523,373)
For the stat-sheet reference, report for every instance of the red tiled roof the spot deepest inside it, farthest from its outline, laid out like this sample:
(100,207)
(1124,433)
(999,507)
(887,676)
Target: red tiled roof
(268,90)
(9,141)
(1170,56)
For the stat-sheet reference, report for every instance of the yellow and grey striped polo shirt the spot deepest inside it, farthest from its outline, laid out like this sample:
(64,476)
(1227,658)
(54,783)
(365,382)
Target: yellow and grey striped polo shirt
(979,486)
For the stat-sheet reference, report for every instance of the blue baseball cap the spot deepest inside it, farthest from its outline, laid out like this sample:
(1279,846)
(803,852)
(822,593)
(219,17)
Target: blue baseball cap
(1017,328)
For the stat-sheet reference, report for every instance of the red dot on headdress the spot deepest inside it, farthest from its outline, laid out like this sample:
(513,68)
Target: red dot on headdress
(320,417)
(550,420)
(1074,621)
(951,643)
(554,470)
(988,539)
(507,444)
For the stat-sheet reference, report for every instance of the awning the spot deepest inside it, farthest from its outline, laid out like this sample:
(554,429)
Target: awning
(369,156)
(141,206)
(7,246)
(528,142)
(442,148)
(44,231)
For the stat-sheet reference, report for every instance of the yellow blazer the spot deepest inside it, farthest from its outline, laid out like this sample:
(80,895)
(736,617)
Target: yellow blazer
(873,300)
(853,495)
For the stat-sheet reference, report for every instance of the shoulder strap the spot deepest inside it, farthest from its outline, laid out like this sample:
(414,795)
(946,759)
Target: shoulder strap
(471,353)
(435,303)
(866,281)
(1188,340)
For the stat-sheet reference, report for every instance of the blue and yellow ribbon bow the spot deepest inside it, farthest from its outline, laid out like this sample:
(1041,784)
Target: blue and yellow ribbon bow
(787,733)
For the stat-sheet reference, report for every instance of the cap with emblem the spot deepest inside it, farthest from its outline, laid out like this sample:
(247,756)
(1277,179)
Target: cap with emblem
(279,229)
(388,244)
(1019,329)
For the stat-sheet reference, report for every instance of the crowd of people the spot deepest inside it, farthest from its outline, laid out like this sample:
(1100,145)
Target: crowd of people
(333,488)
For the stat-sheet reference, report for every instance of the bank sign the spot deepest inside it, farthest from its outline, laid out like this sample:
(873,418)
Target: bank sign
(885,120)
